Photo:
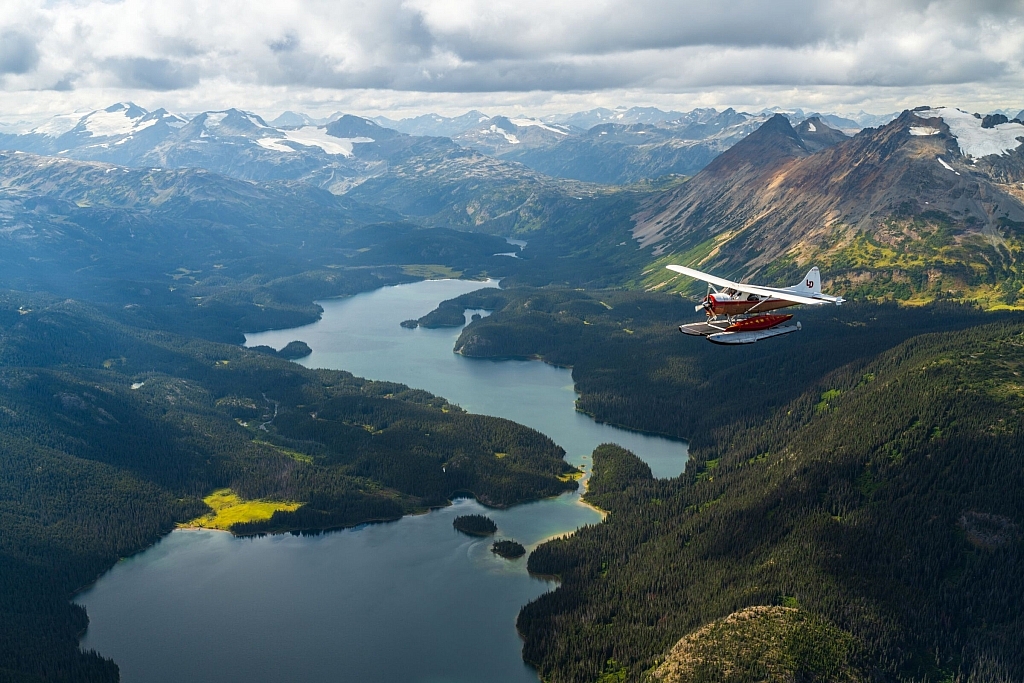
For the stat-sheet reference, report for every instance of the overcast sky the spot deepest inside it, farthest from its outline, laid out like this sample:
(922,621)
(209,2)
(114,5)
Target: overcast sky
(404,57)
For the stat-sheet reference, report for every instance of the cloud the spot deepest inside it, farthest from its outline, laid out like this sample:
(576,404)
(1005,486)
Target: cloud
(496,46)
(18,52)
(151,74)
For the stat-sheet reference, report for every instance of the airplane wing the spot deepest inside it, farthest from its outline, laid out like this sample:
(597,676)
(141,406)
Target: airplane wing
(749,289)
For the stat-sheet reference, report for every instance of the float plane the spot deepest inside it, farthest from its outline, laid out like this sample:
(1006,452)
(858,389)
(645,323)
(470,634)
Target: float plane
(738,313)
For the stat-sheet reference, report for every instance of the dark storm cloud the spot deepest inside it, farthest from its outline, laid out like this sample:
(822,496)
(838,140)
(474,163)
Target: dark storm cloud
(152,74)
(665,24)
(18,52)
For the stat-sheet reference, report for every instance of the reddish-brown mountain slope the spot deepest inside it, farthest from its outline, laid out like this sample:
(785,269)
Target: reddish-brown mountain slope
(897,210)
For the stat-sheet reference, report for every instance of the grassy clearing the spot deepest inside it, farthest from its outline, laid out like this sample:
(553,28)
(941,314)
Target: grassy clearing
(229,509)
(430,271)
(294,455)
(571,476)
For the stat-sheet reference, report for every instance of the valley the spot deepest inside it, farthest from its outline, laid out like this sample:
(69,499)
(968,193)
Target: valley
(850,489)
(429,591)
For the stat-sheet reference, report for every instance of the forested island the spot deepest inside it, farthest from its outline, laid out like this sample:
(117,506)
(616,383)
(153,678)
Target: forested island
(475,525)
(508,548)
(291,351)
(295,350)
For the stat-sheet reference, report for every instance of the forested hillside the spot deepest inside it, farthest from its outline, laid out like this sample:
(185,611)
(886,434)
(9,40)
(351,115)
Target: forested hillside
(632,367)
(882,504)
(110,435)
(863,472)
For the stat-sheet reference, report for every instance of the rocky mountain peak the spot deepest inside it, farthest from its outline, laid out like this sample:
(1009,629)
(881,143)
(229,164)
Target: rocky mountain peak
(773,143)
(816,134)
(848,206)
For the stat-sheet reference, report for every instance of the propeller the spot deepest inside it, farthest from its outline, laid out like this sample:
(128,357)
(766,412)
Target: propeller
(705,305)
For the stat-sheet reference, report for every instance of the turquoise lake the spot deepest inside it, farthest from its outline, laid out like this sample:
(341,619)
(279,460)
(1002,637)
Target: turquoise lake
(411,600)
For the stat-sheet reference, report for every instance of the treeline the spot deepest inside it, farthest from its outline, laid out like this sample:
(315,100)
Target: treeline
(111,434)
(884,499)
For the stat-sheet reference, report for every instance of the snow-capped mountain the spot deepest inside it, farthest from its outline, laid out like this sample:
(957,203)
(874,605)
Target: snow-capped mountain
(291,119)
(501,134)
(232,142)
(625,153)
(116,134)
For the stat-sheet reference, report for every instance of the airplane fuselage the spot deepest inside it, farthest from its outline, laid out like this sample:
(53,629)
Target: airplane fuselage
(723,304)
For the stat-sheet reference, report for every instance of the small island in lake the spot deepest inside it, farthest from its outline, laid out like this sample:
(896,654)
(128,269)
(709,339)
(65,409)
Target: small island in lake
(509,549)
(475,525)
(295,350)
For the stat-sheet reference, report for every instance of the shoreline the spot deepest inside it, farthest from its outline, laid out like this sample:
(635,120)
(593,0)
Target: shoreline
(568,529)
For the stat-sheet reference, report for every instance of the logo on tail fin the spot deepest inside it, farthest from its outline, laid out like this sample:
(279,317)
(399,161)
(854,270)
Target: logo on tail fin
(811,282)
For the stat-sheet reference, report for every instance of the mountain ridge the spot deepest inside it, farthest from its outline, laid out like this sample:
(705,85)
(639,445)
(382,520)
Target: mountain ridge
(900,203)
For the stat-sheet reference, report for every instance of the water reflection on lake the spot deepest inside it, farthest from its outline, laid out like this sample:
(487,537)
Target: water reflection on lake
(411,600)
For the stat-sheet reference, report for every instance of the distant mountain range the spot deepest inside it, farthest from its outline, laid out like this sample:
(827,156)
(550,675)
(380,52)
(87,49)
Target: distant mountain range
(927,206)
(891,210)
(601,146)
(617,153)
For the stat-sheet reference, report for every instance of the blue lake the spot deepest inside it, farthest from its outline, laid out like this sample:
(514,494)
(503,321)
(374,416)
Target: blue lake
(411,600)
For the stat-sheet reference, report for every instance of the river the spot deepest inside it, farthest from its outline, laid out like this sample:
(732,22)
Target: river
(411,600)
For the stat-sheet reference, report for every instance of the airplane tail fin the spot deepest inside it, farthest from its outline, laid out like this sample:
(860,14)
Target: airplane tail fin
(811,282)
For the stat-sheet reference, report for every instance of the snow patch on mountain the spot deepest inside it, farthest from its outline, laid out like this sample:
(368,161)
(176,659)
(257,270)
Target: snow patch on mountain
(923,130)
(58,125)
(311,136)
(974,140)
(522,123)
(512,139)
(214,118)
(256,121)
(946,166)
(108,123)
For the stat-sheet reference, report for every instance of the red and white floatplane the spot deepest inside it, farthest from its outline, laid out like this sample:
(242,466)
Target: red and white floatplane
(739,313)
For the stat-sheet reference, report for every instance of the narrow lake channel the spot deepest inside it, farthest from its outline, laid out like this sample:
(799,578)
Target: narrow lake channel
(411,600)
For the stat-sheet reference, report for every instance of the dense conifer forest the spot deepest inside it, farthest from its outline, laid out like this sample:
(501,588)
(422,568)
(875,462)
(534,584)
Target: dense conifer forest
(508,548)
(632,367)
(865,472)
(475,525)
